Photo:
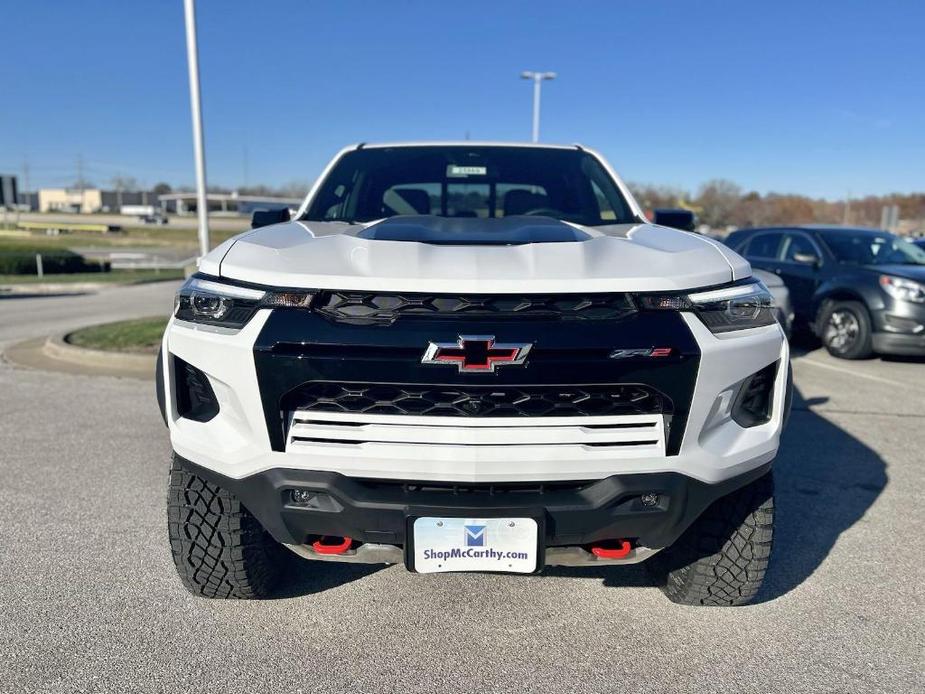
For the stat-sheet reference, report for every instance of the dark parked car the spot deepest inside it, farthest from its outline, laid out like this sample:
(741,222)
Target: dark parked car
(860,290)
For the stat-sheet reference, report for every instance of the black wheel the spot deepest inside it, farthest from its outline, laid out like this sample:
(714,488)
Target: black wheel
(722,558)
(218,547)
(844,327)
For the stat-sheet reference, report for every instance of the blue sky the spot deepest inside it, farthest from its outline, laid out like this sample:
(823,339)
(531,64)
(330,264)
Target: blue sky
(821,98)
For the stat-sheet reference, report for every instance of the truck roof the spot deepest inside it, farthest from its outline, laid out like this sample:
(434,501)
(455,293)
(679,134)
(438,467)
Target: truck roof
(461,143)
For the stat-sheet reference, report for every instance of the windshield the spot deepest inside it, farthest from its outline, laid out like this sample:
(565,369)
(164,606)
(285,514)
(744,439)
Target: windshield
(460,181)
(872,249)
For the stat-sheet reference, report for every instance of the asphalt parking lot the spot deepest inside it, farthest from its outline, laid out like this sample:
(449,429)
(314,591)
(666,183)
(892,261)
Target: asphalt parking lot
(89,601)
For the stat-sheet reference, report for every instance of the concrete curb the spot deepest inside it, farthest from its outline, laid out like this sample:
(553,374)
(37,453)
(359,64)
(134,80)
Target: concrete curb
(57,347)
(31,354)
(53,288)
(68,288)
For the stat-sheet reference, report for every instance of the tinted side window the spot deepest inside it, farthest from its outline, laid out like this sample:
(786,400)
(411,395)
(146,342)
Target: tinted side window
(797,244)
(603,204)
(763,246)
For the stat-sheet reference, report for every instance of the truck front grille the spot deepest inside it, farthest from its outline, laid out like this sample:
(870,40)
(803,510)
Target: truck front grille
(477,401)
(462,439)
(388,307)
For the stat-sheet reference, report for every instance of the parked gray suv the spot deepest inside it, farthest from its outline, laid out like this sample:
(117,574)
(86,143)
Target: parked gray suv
(860,290)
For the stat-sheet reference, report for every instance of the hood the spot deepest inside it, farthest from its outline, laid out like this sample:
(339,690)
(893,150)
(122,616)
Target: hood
(515,254)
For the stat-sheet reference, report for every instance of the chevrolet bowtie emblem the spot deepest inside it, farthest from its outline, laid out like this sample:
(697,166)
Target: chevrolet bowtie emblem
(472,353)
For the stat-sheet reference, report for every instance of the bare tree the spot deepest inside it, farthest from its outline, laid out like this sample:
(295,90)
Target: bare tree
(718,200)
(653,196)
(124,183)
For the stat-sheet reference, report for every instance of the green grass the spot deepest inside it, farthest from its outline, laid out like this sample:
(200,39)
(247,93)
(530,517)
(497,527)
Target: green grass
(159,237)
(141,335)
(113,277)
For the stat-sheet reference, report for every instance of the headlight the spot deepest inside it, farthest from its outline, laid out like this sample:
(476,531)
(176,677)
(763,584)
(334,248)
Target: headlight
(736,307)
(902,289)
(203,300)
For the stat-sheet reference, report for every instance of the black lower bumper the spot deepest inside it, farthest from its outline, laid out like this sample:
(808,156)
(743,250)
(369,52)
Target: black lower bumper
(570,513)
(899,344)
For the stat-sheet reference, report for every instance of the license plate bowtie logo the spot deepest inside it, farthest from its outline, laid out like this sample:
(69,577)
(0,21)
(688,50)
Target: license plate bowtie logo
(476,353)
(475,535)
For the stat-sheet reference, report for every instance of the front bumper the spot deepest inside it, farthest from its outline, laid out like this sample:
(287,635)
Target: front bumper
(898,344)
(377,513)
(238,443)
(899,327)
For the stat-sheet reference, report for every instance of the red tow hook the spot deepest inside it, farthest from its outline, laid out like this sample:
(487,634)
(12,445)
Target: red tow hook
(613,552)
(321,548)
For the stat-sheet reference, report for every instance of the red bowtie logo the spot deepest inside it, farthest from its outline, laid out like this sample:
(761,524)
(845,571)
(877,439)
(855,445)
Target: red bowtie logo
(476,353)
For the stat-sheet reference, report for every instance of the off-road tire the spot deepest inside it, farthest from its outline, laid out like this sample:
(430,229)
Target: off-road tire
(862,347)
(722,558)
(220,550)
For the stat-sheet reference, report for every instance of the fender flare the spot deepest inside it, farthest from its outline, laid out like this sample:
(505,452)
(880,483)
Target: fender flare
(159,384)
(840,291)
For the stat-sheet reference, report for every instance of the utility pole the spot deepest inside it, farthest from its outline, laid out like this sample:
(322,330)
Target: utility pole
(26,188)
(192,58)
(537,78)
(245,167)
(80,180)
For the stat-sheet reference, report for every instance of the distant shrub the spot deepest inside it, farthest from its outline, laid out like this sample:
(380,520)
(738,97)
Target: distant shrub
(21,261)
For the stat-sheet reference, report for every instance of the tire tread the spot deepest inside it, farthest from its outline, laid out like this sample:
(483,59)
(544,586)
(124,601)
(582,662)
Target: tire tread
(721,560)
(219,549)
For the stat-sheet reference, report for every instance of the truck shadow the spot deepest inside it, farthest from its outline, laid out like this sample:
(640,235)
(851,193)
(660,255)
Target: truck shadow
(825,481)
(307,577)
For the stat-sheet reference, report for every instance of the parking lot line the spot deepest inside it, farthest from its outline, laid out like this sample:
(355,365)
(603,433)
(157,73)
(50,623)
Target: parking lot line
(855,372)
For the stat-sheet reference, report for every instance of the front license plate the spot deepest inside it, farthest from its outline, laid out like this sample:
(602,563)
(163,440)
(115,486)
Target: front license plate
(475,544)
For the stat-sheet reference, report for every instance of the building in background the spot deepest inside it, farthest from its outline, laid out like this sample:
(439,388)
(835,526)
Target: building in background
(83,200)
(28,201)
(225,203)
(117,200)
(9,196)
(90,200)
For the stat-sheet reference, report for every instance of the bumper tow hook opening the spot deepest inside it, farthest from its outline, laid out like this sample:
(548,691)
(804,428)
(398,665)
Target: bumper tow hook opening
(622,550)
(324,546)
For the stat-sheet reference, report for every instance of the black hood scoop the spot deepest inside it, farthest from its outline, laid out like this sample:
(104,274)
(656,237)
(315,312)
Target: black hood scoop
(473,231)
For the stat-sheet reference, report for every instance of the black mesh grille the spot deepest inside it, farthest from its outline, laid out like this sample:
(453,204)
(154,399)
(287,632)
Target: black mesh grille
(371,307)
(478,401)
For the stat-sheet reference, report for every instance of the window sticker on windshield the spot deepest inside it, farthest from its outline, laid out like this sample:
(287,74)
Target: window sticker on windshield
(456,171)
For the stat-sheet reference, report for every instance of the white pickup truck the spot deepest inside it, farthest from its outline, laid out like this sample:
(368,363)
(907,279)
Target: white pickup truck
(473,357)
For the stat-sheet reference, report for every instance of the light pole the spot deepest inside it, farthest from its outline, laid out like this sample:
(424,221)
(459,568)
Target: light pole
(192,58)
(537,78)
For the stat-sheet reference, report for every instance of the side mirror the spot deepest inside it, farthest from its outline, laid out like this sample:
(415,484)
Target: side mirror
(806,259)
(674,218)
(264,218)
